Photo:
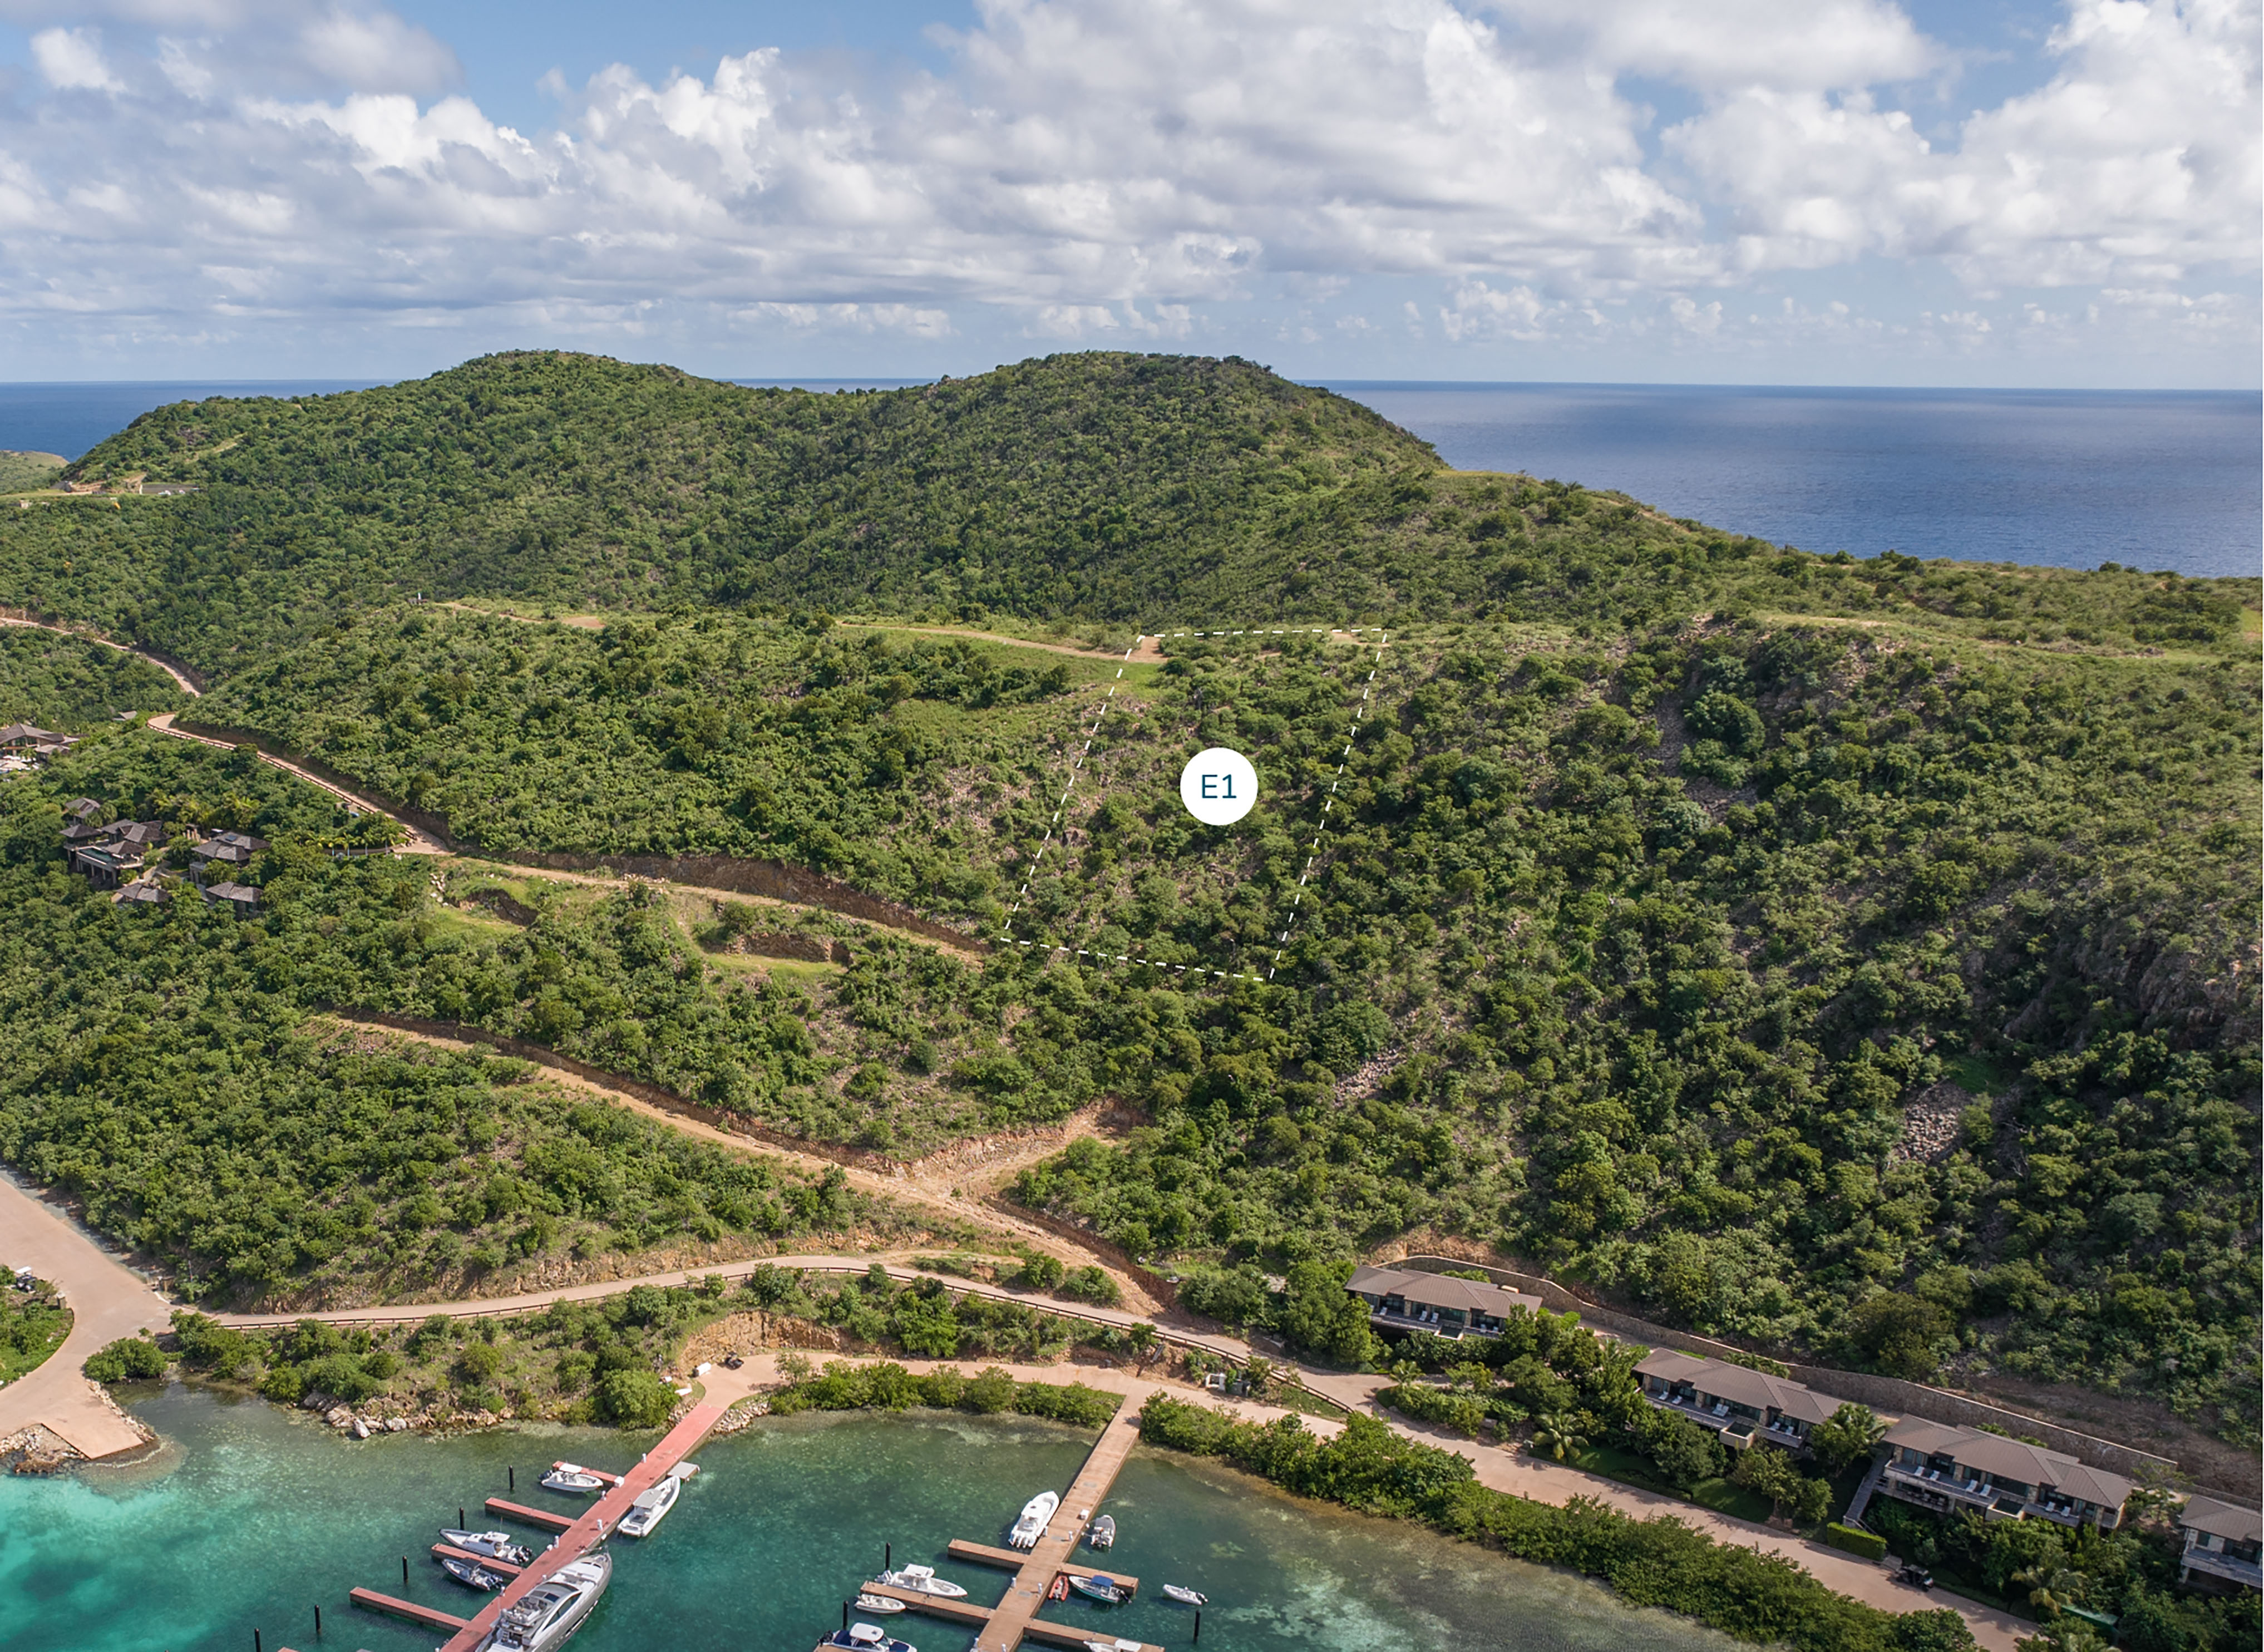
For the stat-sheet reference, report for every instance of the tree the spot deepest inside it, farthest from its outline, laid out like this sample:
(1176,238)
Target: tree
(1683,1452)
(1554,1437)
(128,1358)
(1846,1437)
(634,1399)
(1040,1271)
(1322,1317)
(1772,1472)
(1898,1334)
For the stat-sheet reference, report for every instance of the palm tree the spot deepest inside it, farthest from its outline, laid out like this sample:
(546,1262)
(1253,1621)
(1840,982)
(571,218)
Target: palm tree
(1554,1436)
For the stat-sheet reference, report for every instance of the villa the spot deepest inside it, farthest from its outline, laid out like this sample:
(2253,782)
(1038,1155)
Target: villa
(1406,1299)
(1740,1404)
(1961,1469)
(2221,1544)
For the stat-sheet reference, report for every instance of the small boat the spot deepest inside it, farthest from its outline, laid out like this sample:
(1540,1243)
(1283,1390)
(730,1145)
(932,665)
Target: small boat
(1103,1534)
(472,1572)
(496,1546)
(650,1507)
(1112,1646)
(865,1637)
(1036,1513)
(547,1616)
(879,1606)
(922,1580)
(1185,1596)
(571,1477)
(1100,1586)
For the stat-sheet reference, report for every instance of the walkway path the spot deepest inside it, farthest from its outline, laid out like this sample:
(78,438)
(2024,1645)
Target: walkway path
(179,675)
(108,1300)
(949,1189)
(417,843)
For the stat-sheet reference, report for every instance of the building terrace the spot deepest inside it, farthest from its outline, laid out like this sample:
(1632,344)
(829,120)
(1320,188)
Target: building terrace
(1950,1469)
(1741,1405)
(2222,1544)
(1406,1299)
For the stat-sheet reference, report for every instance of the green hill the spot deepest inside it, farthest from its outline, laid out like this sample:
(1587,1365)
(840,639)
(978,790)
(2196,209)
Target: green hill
(1114,490)
(1858,957)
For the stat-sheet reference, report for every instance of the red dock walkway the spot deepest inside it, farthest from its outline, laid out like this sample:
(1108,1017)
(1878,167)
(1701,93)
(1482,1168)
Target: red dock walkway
(430,1617)
(581,1535)
(549,1519)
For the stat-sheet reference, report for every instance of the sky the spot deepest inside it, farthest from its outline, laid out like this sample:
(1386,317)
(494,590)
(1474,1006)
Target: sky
(1999,193)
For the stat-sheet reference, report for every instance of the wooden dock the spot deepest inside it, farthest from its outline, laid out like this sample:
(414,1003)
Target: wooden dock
(580,1534)
(1004,1627)
(430,1617)
(549,1519)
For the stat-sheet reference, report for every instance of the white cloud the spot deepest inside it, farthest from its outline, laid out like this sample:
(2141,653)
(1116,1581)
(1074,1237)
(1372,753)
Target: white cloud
(1116,168)
(70,60)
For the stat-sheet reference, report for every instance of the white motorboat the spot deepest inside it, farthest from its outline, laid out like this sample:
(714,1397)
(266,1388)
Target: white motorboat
(1185,1596)
(496,1546)
(865,1637)
(1103,1534)
(1035,1514)
(1100,1586)
(879,1606)
(547,1616)
(922,1580)
(650,1507)
(472,1574)
(571,1477)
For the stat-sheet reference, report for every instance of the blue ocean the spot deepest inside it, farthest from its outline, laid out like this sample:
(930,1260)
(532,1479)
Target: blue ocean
(2066,478)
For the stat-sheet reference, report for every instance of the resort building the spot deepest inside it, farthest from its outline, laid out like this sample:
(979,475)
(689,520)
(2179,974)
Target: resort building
(238,897)
(1953,1470)
(1406,1299)
(2221,1545)
(1740,1404)
(224,851)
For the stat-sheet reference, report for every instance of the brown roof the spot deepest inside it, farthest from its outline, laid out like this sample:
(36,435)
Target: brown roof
(1433,1290)
(2227,1520)
(17,734)
(2012,1459)
(146,891)
(1739,1383)
(243,894)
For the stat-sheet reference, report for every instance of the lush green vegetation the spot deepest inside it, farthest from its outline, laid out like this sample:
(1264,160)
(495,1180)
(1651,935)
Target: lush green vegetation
(33,1325)
(70,684)
(20,470)
(1132,489)
(574,1362)
(1852,957)
(887,1386)
(930,1321)
(2042,1569)
(1754,1597)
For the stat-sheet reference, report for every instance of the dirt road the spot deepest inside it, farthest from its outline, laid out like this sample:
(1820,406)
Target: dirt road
(171,670)
(417,843)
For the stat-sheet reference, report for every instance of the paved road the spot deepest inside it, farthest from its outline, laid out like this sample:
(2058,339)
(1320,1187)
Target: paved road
(109,1301)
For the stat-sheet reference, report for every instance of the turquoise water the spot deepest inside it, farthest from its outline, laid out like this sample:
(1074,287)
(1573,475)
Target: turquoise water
(251,1515)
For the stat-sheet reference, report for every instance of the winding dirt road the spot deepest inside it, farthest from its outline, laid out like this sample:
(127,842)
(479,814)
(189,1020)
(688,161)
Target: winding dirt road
(187,685)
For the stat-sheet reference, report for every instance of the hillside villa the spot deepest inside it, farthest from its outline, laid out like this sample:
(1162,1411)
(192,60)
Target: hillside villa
(1740,1404)
(1406,1299)
(2221,1545)
(1951,1470)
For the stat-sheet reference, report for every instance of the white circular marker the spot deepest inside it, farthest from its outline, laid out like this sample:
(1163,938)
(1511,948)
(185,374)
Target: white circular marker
(1218,787)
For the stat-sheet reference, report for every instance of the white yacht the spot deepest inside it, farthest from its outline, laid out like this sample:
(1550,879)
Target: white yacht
(547,1616)
(879,1606)
(1035,1515)
(922,1580)
(650,1507)
(496,1545)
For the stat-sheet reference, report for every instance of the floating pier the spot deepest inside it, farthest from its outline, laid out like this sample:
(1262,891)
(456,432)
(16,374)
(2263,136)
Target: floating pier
(1004,1626)
(430,1617)
(549,1519)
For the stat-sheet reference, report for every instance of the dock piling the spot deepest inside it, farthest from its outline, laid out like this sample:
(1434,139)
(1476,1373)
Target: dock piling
(462,1524)
(404,1571)
(255,1641)
(1198,1638)
(888,1557)
(513,1472)
(844,1614)
(318,1623)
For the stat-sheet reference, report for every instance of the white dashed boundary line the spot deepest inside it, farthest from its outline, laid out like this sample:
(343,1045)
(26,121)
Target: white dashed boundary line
(1313,855)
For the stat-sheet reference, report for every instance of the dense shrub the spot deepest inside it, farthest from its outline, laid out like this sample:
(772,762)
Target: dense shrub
(887,1386)
(126,1359)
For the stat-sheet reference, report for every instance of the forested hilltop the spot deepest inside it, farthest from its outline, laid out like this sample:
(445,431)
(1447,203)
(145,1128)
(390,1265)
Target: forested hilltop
(1858,957)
